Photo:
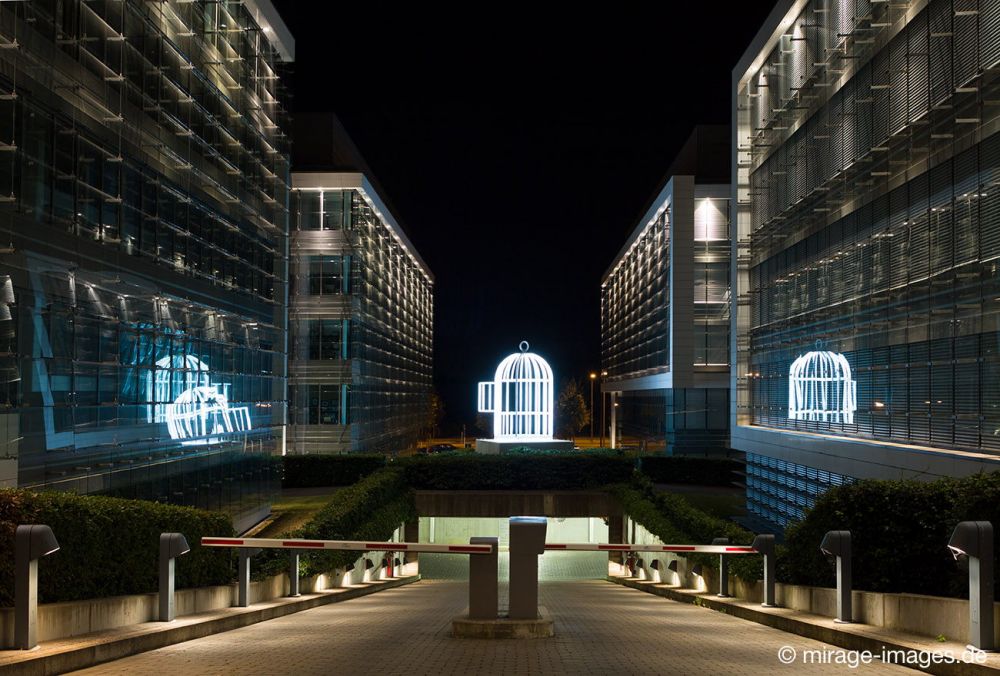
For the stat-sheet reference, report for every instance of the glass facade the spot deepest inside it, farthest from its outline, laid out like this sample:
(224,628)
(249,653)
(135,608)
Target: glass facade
(868,222)
(144,181)
(780,492)
(874,226)
(659,406)
(362,326)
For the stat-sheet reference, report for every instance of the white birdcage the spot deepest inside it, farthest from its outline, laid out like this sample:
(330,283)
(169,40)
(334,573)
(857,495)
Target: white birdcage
(520,397)
(820,388)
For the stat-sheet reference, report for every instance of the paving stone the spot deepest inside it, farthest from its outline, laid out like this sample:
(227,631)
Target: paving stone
(600,628)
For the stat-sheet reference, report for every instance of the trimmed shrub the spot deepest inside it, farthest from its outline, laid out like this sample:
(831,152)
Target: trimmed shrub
(109,546)
(308,471)
(515,472)
(672,519)
(662,469)
(369,510)
(899,532)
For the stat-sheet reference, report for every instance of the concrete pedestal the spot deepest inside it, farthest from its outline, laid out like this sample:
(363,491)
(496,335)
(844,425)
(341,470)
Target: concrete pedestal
(503,627)
(494,447)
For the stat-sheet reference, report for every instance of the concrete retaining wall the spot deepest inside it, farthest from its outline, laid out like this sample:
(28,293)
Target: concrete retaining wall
(931,616)
(73,618)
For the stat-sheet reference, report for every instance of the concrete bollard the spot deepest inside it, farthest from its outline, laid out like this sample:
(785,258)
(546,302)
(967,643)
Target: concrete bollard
(30,544)
(483,580)
(243,579)
(172,545)
(765,545)
(527,542)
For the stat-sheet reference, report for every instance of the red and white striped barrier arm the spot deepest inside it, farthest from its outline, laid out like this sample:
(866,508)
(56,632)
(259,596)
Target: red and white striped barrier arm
(349,545)
(683,549)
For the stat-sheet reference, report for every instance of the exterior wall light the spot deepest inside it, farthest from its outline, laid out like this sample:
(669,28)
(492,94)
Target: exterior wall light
(975,540)
(838,543)
(697,569)
(723,569)
(764,544)
(30,544)
(672,566)
(172,545)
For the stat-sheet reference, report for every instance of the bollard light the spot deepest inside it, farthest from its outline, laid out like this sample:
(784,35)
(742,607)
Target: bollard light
(838,543)
(764,544)
(723,569)
(172,545)
(527,543)
(975,540)
(31,543)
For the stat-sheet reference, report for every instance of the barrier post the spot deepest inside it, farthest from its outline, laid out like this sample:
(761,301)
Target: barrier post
(293,573)
(527,541)
(172,545)
(723,569)
(30,544)
(243,600)
(765,545)
(483,580)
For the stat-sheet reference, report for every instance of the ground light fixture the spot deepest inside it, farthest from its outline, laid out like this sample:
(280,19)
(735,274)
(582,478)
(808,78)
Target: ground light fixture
(349,568)
(764,544)
(838,543)
(31,542)
(697,569)
(672,566)
(974,539)
(172,545)
(723,569)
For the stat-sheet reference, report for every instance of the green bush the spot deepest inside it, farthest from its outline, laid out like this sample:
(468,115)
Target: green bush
(672,519)
(899,532)
(515,472)
(109,546)
(679,469)
(369,510)
(308,471)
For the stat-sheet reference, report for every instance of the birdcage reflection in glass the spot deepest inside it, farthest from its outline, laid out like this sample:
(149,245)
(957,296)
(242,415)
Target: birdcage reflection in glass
(520,397)
(820,388)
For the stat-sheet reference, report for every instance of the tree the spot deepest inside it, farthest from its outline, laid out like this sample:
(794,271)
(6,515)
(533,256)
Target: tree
(484,423)
(434,416)
(572,414)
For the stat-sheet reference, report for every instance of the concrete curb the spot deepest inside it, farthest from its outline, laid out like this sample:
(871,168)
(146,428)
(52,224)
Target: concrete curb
(855,637)
(80,652)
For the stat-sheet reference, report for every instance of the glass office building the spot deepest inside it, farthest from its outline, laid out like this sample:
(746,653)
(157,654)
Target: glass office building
(362,312)
(866,175)
(665,311)
(144,181)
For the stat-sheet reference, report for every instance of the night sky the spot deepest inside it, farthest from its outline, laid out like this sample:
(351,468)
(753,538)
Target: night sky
(518,149)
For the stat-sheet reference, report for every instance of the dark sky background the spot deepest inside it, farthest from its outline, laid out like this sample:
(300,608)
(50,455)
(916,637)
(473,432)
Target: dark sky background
(518,148)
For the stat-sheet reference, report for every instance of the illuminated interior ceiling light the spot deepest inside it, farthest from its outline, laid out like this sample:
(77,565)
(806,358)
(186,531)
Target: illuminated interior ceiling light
(820,388)
(520,397)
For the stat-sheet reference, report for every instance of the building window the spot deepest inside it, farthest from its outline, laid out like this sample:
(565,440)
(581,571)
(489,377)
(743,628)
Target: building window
(328,275)
(327,339)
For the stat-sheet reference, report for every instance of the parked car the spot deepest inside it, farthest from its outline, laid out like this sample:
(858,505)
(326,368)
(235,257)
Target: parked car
(437,448)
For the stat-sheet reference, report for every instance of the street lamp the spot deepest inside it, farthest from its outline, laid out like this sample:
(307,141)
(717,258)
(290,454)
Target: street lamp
(604,374)
(593,379)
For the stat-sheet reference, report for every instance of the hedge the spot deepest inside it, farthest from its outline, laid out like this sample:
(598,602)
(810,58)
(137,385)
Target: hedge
(515,472)
(678,469)
(307,471)
(369,510)
(672,519)
(899,532)
(109,546)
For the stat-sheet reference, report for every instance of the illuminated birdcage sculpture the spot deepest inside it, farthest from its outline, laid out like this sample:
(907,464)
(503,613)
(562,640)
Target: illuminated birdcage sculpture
(201,412)
(520,398)
(820,388)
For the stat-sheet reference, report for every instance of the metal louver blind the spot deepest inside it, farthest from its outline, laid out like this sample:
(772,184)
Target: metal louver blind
(989,33)
(939,18)
(965,43)
(918,87)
